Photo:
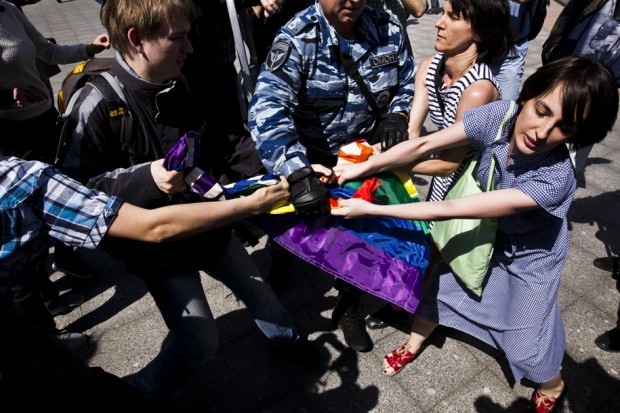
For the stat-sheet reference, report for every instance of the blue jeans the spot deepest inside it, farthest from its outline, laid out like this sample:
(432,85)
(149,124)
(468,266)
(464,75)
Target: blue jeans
(193,336)
(510,72)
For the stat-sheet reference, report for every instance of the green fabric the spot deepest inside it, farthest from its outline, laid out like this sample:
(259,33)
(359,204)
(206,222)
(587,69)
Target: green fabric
(466,245)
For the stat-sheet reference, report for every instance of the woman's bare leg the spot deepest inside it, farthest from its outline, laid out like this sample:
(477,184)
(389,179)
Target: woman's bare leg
(553,387)
(420,330)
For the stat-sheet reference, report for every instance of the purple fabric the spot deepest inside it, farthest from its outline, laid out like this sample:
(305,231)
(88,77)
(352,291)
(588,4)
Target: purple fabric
(341,253)
(184,153)
(205,183)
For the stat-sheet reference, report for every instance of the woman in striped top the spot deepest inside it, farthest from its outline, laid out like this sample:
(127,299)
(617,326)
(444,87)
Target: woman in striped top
(457,79)
(447,84)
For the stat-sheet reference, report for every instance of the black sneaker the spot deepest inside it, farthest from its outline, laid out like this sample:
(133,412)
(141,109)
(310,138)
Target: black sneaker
(303,353)
(611,264)
(64,304)
(386,317)
(346,317)
(68,260)
(354,330)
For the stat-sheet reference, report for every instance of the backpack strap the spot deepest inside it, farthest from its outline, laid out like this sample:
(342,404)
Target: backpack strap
(351,69)
(64,131)
(119,115)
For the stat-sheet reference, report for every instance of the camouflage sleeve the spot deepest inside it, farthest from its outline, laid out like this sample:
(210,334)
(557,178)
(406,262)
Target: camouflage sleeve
(273,106)
(406,74)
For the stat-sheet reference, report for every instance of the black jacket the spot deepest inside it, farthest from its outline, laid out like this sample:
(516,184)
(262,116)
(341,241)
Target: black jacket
(161,115)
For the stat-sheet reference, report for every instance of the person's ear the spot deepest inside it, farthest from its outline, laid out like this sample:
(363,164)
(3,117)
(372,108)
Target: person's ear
(135,40)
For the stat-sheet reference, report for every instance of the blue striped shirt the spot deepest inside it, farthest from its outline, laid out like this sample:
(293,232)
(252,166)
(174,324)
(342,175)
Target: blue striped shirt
(38,205)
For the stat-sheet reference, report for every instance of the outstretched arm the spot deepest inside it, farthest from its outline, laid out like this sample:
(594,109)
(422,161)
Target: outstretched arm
(478,94)
(419,107)
(183,221)
(404,154)
(494,204)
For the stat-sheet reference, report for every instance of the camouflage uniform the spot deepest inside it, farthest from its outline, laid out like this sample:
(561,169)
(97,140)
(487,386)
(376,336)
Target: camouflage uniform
(305,106)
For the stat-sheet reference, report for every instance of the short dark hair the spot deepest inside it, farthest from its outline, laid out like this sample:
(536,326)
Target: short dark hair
(489,21)
(589,96)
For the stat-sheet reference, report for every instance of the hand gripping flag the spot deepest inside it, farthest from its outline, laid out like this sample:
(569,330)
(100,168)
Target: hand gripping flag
(386,257)
(183,156)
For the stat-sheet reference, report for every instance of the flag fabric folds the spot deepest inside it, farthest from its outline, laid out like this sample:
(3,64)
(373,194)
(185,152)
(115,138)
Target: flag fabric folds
(386,257)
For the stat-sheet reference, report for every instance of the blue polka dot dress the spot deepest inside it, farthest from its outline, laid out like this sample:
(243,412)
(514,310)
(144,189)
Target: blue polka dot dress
(518,310)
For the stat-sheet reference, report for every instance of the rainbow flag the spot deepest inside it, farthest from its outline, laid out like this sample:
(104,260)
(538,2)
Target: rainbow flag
(385,257)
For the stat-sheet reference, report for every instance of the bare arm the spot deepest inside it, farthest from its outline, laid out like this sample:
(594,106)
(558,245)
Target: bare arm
(176,222)
(494,204)
(415,7)
(419,107)
(478,94)
(404,154)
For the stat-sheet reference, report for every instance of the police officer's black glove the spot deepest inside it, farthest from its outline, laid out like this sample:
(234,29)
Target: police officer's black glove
(392,130)
(308,194)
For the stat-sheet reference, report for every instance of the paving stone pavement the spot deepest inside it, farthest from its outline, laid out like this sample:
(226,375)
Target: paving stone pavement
(454,374)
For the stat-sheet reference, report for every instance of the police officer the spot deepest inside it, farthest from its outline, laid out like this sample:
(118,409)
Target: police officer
(337,72)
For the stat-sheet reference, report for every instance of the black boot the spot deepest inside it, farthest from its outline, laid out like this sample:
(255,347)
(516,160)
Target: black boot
(346,317)
(609,341)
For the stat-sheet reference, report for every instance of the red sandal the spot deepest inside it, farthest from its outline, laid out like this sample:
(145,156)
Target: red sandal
(540,403)
(398,358)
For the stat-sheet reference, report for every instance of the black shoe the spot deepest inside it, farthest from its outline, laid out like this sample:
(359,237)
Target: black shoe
(386,317)
(346,317)
(64,304)
(609,341)
(303,353)
(70,262)
(435,10)
(611,264)
(74,341)
(354,330)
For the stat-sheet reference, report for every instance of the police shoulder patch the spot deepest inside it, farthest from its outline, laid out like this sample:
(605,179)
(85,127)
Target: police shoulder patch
(277,55)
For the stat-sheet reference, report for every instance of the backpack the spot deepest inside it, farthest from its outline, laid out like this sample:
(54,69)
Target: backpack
(94,72)
(538,16)
(78,77)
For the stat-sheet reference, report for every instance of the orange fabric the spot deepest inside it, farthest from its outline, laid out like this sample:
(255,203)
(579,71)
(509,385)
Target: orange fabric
(355,152)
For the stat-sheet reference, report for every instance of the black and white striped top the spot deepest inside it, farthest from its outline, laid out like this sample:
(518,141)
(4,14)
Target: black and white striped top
(451,98)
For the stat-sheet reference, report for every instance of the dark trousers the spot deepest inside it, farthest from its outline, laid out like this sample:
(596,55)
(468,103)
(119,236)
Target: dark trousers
(39,372)
(27,299)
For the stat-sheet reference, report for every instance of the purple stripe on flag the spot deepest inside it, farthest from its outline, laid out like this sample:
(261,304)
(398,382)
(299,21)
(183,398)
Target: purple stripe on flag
(204,183)
(346,256)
